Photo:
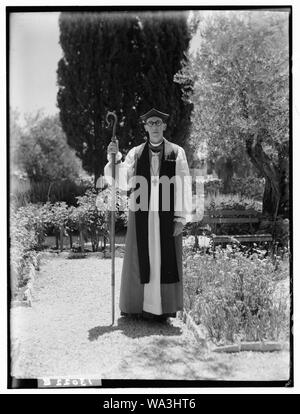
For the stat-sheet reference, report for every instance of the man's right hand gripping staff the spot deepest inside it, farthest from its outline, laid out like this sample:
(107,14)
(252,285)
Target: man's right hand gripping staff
(124,170)
(113,148)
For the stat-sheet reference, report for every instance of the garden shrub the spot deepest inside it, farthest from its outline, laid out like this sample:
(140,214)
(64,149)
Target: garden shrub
(212,186)
(251,187)
(60,218)
(30,224)
(27,233)
(40,192)
(237,296)
(233,202)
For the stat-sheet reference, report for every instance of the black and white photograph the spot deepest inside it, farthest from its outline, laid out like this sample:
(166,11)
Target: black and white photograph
(149,196)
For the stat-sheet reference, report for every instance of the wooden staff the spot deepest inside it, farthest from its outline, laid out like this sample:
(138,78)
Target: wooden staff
(113,203)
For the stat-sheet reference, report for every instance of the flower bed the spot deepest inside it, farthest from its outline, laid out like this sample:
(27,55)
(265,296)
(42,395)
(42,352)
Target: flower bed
(30,225)
(237,296)
(26,234)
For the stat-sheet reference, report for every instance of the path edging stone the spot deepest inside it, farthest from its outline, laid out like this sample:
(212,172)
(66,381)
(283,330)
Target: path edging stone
(267,346)
(34,266)
(198,331)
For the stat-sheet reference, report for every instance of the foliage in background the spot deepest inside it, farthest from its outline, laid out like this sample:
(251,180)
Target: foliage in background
(240,75)
(15,136)
(238,297)
(241,206)
(24,192)
(29,226)
(43,167)
(246,187)
(249,187)
(212,186)
(43,152)
(232,202)
(228,168)
(126,62)
(92,219)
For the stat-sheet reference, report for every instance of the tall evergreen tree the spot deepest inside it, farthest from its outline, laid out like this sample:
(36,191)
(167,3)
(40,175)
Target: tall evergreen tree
(124,62)
(165,41)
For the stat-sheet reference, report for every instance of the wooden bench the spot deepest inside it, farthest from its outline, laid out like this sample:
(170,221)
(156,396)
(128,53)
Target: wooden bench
(241,238)
(250,217)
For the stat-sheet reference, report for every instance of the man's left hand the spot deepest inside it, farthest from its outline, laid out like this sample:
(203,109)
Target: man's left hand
(178,228)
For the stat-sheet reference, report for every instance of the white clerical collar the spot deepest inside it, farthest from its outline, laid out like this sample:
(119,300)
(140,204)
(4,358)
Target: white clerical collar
(156,145)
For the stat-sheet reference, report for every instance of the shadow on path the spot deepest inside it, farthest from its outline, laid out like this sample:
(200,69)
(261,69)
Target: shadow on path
(135,329)
(165,355)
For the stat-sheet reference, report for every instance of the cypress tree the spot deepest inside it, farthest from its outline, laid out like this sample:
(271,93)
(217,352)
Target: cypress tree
(124,62)
(165,40)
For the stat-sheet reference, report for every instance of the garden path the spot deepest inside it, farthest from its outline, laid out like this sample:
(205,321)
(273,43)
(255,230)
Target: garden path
(67,332)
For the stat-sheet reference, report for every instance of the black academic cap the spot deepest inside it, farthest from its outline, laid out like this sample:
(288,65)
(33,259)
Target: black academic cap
(154,112)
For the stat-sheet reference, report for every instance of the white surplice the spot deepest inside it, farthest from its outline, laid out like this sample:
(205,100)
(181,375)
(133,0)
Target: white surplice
(152,290)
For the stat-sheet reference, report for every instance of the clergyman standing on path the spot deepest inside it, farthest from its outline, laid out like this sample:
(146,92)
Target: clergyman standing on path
(152,274)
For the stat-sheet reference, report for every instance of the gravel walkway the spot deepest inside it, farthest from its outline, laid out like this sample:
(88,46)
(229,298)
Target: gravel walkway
(67,332)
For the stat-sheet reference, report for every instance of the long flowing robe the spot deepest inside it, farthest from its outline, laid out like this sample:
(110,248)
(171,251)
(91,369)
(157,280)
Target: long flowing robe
(154,297)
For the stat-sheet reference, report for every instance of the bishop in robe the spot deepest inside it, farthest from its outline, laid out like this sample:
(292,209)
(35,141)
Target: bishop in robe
(156,174)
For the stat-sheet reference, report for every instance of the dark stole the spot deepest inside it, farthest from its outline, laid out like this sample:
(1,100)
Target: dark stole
(169,269)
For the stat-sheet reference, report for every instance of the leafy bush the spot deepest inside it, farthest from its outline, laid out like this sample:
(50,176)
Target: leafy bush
(27,233)
(231,202)
(212,186)
(41,192)
(237,297)
(34,219)
(30,225)
(91,218)
(245,187)
(103,202)
(251,187)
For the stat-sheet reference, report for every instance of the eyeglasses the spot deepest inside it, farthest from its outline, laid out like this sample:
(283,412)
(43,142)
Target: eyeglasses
(152,123)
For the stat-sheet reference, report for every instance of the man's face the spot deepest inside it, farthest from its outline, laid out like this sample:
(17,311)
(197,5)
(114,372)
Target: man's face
(156,127)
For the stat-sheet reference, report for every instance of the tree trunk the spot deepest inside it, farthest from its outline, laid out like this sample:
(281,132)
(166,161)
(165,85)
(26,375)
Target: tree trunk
(81,240)
(270,199)
(56,240)
(227,175)
(276,187)
(61,238)
(284,205)
(224,169)
(95,240)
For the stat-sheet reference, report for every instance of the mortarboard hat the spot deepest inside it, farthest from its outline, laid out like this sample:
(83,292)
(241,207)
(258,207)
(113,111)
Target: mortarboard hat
(154,112)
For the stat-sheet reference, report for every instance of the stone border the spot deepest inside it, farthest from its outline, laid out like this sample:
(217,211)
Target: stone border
(267,346)
(201,336)
(34,267)
(197,330)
